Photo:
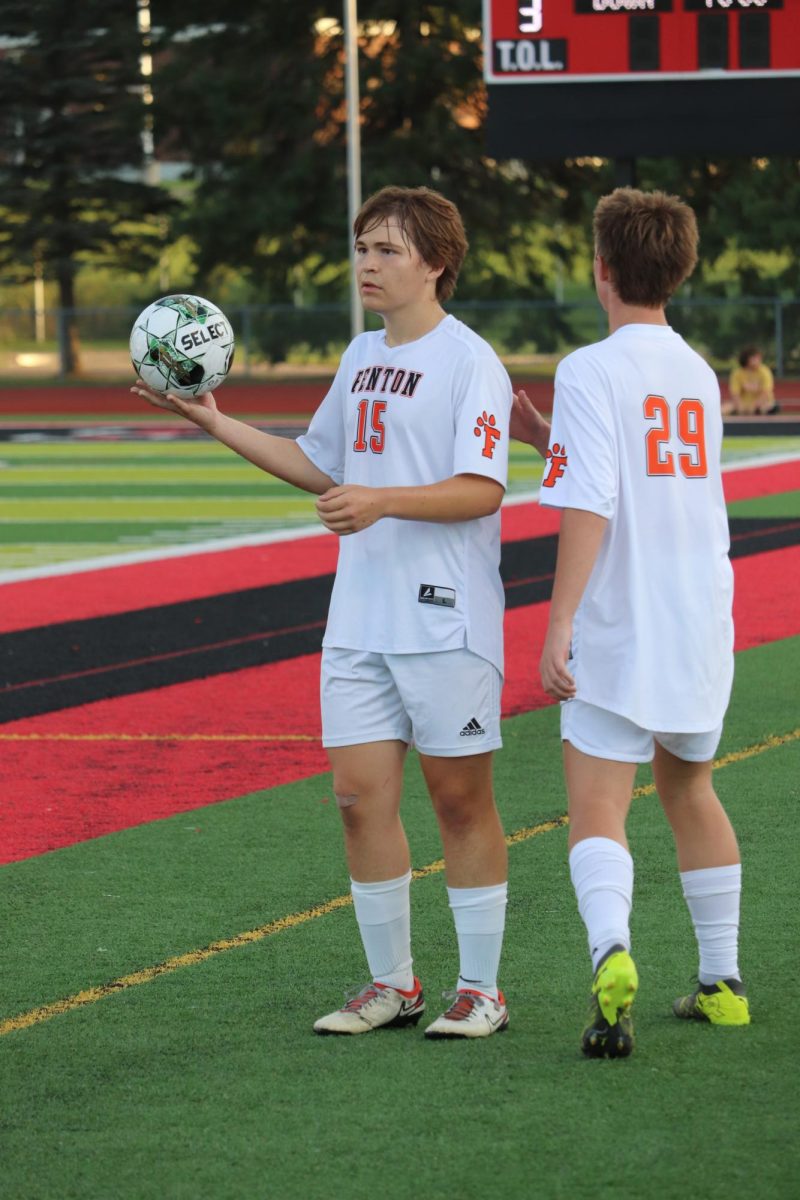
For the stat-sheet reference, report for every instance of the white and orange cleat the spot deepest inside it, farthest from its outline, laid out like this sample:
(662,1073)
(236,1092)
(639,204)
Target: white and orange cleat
(470,1015)
(375,1006)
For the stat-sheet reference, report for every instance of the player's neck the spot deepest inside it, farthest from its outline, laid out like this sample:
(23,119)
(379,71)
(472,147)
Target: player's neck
(620,314)
(412,323)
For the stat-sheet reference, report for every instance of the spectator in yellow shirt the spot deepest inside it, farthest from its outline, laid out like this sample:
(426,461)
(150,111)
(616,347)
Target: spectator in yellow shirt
(751,385)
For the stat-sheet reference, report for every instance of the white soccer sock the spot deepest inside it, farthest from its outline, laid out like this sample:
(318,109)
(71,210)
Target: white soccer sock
(480,918)
(383,912)
(602,875)
(712,896)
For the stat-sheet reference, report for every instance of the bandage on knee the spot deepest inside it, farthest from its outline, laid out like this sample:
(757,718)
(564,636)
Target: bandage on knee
(345,801)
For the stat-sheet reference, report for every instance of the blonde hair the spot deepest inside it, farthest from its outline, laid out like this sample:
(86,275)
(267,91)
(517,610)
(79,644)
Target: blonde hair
(429,221)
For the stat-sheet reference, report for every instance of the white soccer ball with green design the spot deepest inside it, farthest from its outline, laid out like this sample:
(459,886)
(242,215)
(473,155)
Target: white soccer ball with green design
(183,345)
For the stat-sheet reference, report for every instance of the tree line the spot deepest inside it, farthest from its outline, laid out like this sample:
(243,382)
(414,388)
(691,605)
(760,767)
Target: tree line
(249,100)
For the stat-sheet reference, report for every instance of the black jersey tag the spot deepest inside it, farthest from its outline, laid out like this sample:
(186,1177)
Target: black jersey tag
(430,593)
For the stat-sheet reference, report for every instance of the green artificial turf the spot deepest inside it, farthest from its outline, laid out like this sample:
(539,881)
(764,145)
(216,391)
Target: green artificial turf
(207,1082)
(781,504)
(63,501)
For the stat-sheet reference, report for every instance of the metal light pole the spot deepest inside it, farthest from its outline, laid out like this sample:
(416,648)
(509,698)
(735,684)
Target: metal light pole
(353,151)
(151,169)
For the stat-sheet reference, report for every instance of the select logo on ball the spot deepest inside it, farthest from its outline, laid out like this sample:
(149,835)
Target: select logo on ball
(198,337)
(182,344)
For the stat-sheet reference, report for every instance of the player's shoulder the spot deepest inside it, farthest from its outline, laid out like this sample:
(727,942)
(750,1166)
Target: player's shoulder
(465,341)
(364,343)
(703,370)
(585,359)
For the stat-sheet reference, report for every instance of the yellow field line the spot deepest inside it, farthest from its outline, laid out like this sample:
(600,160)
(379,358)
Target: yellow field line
(158,737)
(190,959)
(91,995)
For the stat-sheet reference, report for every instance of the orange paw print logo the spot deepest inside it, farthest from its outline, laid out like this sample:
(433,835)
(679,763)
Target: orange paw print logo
(486,427)
(556,464)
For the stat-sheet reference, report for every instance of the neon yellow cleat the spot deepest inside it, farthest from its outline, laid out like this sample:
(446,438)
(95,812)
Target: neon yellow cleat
(609,1031)
(721,1003)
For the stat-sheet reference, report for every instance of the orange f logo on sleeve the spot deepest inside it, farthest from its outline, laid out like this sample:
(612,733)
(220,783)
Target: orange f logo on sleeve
(486,426)
(556,465)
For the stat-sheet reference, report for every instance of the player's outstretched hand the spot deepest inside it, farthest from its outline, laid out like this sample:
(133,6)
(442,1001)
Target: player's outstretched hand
(201,410)
(349,508)
(527,423)
(556,679)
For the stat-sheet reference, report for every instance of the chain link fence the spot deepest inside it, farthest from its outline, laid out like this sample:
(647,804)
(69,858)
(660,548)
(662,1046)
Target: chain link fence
(267,335)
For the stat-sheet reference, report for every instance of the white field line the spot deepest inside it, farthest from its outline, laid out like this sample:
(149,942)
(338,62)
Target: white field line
(157,554)
(765,460)
(217,545)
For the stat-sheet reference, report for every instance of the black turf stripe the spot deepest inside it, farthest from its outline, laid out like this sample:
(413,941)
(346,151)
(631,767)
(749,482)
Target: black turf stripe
(73,663)
(51,652)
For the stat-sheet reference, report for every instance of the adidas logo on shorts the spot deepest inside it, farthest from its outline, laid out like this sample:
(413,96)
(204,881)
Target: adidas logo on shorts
(472,729)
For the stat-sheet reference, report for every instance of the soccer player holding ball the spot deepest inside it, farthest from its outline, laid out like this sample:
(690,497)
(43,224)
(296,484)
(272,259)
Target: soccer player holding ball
(408,455)
(639,647)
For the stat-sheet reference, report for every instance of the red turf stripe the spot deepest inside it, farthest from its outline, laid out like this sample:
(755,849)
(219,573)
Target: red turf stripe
(761,481)
(110,590)
(766,598)
(65,792)
(282,397)
(279,698)
(69,791)
(267,397)
(520,521)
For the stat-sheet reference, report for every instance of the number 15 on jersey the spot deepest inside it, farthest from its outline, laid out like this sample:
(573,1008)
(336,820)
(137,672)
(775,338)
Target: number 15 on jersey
(370,416)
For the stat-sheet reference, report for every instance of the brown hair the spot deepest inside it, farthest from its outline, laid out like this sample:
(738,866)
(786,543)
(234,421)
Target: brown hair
(648,241)
(430,222)
(746,354)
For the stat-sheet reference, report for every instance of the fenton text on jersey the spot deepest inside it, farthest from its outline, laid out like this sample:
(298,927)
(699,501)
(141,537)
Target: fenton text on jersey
(386,379)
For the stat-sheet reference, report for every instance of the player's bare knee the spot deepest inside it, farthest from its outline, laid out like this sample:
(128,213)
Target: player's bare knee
(687,803)
(458,809)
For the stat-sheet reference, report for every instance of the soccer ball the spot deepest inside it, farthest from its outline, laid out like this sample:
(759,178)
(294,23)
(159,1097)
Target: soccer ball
(182,344)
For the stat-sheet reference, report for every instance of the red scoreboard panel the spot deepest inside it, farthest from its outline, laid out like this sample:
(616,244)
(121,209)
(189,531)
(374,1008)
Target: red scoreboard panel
(547,41)
(642,77)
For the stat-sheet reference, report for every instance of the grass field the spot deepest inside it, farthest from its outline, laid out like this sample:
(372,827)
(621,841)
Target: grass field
(204,1080)
(67,500)
(158,984)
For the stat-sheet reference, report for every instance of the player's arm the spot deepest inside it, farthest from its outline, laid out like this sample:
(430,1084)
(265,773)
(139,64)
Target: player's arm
(579,541)
(527,423)
(351,508)
(278,456)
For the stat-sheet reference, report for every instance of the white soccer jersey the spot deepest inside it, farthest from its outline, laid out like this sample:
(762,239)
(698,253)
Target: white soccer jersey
(636,438)
(406,416)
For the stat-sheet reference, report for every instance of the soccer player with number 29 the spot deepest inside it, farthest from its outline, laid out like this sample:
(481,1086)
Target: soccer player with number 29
(639,647)
(408,454)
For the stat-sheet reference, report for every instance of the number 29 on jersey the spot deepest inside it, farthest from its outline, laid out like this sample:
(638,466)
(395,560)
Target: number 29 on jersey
(691,430)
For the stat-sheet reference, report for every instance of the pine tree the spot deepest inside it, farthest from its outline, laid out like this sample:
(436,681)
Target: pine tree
(71,147)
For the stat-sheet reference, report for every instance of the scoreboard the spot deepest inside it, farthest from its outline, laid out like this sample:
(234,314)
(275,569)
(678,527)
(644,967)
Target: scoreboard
(642,77)
(547,41)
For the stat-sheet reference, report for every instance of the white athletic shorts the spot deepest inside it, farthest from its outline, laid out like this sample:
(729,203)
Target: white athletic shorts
(447,702)
(604,734)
